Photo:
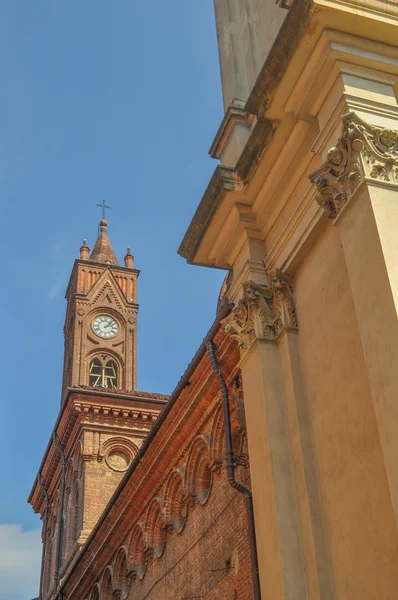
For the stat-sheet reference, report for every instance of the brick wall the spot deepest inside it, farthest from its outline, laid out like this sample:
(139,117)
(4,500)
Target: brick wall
(191,566)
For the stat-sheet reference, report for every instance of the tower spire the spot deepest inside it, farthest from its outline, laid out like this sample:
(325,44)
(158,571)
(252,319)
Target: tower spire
(103,251)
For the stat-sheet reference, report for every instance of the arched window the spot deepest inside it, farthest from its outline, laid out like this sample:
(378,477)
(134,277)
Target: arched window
(103,373)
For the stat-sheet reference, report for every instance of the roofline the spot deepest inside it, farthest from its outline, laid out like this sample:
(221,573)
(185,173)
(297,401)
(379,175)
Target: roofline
(123,395)
(158,423)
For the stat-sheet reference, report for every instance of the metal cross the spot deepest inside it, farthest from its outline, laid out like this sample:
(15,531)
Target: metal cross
(103,206)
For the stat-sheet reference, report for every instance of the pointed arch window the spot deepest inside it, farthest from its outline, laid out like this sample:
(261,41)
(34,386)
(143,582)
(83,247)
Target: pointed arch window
(103,373)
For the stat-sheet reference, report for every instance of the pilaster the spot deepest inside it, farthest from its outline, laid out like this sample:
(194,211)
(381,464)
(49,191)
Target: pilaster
(290,537)
(358,188)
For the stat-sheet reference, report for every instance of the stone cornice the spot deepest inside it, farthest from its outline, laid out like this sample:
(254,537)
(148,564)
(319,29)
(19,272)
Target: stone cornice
(234,114)
(291,54)
(263,312)
(294,27)
(223,179)
(226,179)
(254,149)
(364,152)
(277,60)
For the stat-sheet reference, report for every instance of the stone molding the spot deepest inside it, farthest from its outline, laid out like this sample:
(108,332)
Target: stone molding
(263,312)
(224,180)
(117,412)
(235,114)
(363,152)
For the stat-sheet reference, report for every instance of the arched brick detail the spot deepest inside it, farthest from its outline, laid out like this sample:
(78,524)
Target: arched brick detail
(118,444)
(138,551)
(95,592)
(107,584)
(76,508)
(156,527)
(176,505)
(217,443)
(69,472)
(77,459)
(198,471)
(68,509)
(121,573)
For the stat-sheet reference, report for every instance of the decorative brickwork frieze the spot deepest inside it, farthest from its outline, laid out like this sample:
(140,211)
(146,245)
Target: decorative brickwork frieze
(166,513)
(363,152)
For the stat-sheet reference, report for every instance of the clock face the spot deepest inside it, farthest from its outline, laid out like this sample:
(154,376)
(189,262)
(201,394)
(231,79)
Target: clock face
(105,326)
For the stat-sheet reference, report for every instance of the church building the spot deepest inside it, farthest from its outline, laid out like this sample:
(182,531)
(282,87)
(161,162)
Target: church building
(271,472)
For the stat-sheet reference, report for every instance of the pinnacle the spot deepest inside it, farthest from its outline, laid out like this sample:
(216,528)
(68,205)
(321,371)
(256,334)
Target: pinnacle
(103,251)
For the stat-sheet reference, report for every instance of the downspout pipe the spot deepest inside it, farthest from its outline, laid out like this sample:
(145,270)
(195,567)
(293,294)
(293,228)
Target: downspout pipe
(231,470)
(44,490)
(61,512)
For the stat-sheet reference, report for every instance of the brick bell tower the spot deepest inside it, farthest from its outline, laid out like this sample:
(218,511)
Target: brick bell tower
(103,420)
(100,324)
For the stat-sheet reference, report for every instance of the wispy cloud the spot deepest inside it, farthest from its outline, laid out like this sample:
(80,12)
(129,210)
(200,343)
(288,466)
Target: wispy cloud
(20,553)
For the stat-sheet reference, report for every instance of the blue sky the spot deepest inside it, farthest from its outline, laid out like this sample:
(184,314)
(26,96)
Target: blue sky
(99,100)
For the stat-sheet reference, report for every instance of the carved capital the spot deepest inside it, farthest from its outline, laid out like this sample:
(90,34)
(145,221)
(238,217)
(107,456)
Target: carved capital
(263,312)
(363,152)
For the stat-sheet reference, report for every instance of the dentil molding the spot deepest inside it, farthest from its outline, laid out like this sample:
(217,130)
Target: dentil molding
(263,312)
(364,152)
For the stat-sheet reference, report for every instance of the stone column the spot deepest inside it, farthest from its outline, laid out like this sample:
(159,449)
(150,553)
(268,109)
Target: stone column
(265,326)
(358,188)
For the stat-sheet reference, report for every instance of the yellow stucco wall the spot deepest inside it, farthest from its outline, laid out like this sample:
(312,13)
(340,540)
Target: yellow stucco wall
(354,495)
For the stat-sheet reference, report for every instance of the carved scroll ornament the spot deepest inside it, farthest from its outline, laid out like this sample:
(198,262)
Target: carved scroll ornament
(263,312)
(363,151)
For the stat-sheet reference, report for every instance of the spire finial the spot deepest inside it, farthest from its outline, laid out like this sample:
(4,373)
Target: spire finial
(84,251)
(103,251)
(129,259)
(103,206)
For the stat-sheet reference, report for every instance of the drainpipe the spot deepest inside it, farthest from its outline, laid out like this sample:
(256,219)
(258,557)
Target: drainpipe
(61,513)
(231,461)
(44,490)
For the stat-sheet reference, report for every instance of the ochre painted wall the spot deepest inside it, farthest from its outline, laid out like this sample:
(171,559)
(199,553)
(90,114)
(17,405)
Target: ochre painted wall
(354,494)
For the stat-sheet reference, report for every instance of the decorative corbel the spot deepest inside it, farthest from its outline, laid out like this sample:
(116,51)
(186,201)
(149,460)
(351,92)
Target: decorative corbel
(263,312)
(363,152)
